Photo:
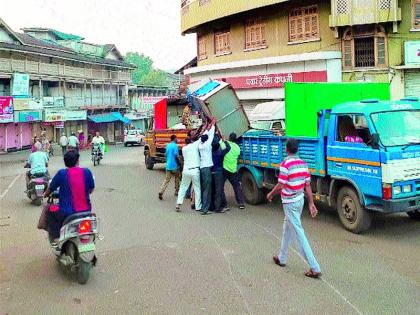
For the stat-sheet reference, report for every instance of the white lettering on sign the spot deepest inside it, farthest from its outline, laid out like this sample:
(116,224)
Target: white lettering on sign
(362,169)
(409,155)
(401,106)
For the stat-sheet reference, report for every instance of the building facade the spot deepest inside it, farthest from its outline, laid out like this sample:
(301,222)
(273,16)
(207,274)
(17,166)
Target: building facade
(55,83)
(258,46)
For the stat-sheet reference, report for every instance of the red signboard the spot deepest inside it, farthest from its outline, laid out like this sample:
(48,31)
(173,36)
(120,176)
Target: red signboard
(276,80)
(6,109)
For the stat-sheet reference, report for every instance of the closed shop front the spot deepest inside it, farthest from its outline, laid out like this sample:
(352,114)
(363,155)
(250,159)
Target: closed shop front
(412,82)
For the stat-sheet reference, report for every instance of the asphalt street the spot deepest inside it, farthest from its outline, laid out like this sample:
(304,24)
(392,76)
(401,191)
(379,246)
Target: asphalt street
(153,260)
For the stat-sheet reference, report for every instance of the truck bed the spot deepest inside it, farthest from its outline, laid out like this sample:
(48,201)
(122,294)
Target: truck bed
(267,151)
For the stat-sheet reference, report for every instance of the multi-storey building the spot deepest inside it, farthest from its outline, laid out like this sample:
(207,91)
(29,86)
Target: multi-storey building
(58,83)
(259,45)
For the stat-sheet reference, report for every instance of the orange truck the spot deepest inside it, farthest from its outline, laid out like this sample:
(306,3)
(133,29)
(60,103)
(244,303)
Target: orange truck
(210,98)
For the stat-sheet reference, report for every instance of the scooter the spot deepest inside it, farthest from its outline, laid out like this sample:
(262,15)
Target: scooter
(36,187)
(75,249)
(96,154)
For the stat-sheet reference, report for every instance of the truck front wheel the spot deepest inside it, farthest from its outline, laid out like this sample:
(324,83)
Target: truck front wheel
(149,161)
(352,214)
(253,195)
(415,215)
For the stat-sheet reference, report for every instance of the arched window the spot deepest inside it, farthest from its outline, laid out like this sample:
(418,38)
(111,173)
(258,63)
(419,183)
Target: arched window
(364,47)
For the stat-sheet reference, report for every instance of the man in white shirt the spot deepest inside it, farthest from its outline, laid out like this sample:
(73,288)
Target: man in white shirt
(190,173)
(206,163)
(98,139)
(73,142)
(63,143)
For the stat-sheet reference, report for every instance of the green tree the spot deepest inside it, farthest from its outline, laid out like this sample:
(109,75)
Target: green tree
(145,73)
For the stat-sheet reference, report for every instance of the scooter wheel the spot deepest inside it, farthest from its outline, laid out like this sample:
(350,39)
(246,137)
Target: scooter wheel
(83,272)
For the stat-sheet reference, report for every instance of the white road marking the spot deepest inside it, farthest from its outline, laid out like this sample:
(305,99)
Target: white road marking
(224,253)
(341,295)
(10,186)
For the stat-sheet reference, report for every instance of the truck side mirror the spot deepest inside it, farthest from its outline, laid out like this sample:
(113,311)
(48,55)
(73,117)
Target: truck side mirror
(375,141)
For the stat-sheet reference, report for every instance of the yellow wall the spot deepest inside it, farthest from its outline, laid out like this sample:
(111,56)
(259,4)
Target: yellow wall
(195,15)
(276,35)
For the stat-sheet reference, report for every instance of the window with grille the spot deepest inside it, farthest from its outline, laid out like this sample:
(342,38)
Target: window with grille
(304,24)
(416,13)
(364,47)
(201,48)
(255,34)
(222,43)
(342,6)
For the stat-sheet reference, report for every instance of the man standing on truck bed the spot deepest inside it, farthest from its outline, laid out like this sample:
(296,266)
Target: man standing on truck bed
(293,179)
(172,168)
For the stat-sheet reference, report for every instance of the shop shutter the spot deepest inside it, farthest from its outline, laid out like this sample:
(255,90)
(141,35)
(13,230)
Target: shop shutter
(412,83)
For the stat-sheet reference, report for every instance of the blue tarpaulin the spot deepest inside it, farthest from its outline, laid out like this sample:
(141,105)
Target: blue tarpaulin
(109,117)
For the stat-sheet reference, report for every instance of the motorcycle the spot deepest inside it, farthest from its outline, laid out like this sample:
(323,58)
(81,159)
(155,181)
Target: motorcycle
(75,249)
(96,154)
(36,187)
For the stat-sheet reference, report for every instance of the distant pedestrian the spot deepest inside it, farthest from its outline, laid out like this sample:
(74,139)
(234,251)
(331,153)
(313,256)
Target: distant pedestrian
(172,167)
(230,171)
(294,179)
(190,173)
(64,141)
(206,163)
(81,139)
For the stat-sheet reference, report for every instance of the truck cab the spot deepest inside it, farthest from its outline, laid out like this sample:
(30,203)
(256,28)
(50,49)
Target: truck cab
(373,150)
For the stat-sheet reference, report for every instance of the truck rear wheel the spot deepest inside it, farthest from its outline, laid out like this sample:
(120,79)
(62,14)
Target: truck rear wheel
(415,215)
(253,195)
(149,161)
(352,214)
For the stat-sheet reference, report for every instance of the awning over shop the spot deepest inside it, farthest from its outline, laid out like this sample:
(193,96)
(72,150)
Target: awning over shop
(109,117)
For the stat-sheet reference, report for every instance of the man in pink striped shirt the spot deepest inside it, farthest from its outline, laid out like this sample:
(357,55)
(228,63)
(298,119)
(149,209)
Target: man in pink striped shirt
(294,179)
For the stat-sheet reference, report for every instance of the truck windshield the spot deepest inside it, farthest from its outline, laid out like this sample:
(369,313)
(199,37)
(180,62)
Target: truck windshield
(398,127)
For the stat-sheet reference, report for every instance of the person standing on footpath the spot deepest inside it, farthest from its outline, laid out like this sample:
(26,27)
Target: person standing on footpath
(230,172)
(172,167)
(206,163)
(190,173)
(294,179)
(63,143)
(73,142)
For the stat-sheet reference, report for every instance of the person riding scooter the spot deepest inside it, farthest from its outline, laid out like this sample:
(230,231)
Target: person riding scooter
(99,140)
(37,162)
(75,184)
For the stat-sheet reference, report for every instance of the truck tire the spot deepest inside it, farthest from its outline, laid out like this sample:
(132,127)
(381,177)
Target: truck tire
(415,215)
(352,214)
(253,195)
(149,161)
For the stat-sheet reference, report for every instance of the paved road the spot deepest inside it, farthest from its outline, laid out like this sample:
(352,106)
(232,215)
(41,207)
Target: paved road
(156,261)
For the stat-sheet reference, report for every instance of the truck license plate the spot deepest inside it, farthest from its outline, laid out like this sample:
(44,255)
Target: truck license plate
(39,187)
(86,248)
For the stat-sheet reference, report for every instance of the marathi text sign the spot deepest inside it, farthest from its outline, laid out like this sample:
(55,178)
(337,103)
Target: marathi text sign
(275,80)
(20,85)
(412,52)
(6,109)
(27,116)
(54,115)
(76,115)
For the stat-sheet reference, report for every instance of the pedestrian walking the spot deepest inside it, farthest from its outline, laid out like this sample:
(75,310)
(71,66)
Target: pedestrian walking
(172,167)
(206,163)
(218,177)
(190,173)
(230,172)
(293,180)
(64,141)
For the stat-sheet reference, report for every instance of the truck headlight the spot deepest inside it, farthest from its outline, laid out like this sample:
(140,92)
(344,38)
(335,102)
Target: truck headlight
(407,188)
(397,190)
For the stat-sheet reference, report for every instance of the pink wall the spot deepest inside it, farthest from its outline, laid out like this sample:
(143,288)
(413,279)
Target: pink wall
(2,137)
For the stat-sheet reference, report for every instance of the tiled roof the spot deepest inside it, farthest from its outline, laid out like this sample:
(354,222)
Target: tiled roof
(49,48)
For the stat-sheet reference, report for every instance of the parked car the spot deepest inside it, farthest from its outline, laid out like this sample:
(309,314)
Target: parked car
(133,137)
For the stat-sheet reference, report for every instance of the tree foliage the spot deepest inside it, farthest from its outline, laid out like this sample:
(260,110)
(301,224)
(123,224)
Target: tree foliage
(145,73)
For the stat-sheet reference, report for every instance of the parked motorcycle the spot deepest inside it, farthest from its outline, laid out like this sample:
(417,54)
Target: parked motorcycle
(36,187)
(75,249)
(96,154)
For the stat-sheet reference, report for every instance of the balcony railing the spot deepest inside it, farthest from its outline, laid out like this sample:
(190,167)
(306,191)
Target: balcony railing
(358,12)
(51,69)
(80,101)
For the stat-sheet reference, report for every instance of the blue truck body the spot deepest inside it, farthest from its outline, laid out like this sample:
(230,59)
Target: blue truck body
(384,177)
